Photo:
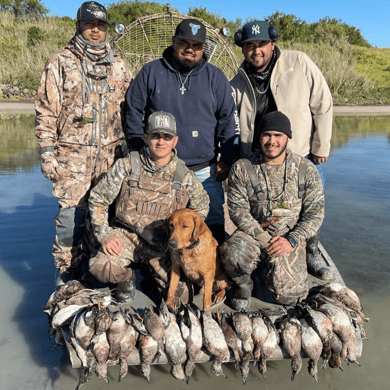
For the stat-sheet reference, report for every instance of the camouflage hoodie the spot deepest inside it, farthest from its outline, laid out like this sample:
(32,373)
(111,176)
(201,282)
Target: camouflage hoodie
(79,102)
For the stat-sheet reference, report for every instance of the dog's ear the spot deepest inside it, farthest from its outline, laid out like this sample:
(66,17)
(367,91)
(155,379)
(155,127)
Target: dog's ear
(199,227)
(166,222)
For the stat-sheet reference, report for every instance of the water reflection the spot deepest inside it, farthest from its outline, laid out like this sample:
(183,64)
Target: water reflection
(355,233)
(18,145)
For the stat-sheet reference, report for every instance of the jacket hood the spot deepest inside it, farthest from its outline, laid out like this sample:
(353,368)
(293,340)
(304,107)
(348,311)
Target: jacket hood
(168,59)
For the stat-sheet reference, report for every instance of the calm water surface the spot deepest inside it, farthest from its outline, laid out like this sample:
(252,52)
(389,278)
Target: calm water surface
(356,234)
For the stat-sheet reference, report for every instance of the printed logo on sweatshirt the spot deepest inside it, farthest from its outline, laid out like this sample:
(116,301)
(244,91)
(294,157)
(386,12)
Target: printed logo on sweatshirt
(195,134)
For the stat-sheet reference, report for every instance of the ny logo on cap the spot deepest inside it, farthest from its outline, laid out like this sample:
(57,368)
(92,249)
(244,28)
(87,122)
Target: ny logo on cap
(256,29)
(194,28)
(162,121)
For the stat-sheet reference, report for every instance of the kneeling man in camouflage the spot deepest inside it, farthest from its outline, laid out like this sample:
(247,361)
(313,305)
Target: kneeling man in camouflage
(276,200)
(146,186)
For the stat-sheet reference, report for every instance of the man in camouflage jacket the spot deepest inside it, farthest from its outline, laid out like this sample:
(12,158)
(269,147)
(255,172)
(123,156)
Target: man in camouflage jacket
(146,187)
(78,123)
(276,200)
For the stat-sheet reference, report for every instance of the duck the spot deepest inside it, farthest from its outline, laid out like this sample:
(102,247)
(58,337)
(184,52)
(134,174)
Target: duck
(243,327)
(291,337)
(342,327)
(155,326)
(342,294)
(336,347)
(175,348)
(115,334)
(83,329)
(148,348)
(126,346)
(261,325)
(322,325)
(270,344)
(231,338)
(191,331)
(312,346)
(215,343)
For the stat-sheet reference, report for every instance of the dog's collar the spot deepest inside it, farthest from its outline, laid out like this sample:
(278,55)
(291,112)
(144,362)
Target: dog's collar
(193,245)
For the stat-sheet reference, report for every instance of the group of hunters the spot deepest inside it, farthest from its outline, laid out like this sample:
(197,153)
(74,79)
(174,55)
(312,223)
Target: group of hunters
(187,130)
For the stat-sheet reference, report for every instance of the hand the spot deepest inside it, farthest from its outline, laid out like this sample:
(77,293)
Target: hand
(221,171)
(318,159)
(278,246)
(49,166)
(112,246)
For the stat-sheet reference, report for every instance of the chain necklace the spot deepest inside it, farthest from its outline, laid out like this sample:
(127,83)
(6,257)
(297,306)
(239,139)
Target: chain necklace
(183,88)
(277,197)
(265,90)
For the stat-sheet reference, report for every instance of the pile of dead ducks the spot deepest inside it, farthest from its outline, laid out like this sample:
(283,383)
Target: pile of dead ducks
(328,324)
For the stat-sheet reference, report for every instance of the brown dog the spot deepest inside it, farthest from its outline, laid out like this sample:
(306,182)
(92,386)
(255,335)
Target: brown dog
(194,250)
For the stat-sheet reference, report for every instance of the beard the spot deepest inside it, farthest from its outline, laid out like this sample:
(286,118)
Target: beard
(269,155)
(185,66)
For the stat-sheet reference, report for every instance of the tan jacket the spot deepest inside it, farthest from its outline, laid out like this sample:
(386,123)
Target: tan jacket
(300,92)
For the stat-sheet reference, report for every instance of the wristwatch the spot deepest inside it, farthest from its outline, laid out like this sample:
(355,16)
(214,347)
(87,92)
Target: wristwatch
(293,242)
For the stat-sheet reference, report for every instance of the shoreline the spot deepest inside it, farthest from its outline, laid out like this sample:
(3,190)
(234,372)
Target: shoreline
(26,107)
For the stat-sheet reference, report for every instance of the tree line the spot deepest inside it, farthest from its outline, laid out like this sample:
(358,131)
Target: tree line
(291,28)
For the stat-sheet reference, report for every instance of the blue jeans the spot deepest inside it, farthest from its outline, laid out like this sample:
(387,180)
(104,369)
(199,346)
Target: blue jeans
(319,169)
(214,189)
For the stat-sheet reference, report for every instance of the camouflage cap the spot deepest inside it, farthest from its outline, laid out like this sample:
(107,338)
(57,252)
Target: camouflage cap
(91,10)
(191,29)
(161,122)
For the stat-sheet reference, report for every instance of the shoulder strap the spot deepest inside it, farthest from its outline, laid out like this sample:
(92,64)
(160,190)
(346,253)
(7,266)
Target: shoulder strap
(301,177)
(252,176)
(135,162)
(179,175)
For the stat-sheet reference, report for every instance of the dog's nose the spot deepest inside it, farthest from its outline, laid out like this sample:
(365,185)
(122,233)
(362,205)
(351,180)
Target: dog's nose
(172,243)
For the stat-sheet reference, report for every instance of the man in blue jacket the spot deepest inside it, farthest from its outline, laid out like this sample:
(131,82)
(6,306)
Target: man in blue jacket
(200,97)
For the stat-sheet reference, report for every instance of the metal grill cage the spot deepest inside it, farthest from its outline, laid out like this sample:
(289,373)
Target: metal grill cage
(146,39)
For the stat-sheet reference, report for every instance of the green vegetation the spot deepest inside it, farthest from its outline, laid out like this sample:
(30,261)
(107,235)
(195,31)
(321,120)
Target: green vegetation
(355,72)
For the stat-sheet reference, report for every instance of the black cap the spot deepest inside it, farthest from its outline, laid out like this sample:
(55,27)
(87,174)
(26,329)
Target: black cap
(276,121)
(91,10)
(191,29)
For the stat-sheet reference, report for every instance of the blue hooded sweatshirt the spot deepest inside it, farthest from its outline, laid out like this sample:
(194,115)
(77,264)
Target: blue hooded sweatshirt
(205,112)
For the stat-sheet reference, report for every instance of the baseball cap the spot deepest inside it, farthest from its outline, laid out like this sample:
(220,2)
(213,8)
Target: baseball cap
(255,30)
(191,29)
(91,10)
(161,122)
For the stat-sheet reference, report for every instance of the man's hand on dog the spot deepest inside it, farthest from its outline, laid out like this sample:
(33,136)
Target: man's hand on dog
(112,246)
(278,246)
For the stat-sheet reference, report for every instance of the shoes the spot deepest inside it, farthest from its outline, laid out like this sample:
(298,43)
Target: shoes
(240,303)
(125,291)
(315,264)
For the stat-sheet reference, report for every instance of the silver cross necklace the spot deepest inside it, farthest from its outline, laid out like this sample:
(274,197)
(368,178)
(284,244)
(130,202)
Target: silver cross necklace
(183,88)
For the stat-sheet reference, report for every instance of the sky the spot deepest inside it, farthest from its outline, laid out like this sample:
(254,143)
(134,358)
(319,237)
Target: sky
(372,18)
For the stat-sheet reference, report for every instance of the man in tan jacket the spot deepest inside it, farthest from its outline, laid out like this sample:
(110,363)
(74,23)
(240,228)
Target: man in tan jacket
(271,79)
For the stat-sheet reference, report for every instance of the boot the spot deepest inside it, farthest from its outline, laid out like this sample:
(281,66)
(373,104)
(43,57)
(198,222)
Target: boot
(315,264)
(218,232)
(242,294)
(125,291)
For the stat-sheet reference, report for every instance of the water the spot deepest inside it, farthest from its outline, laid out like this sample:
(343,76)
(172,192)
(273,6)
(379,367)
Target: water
(356,234)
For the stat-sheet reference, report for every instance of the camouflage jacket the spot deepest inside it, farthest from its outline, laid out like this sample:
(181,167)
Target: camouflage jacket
(155,186)
(80,102)
(289,215)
